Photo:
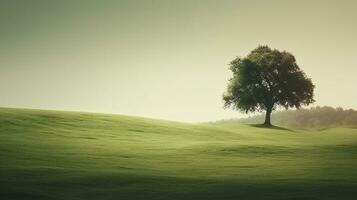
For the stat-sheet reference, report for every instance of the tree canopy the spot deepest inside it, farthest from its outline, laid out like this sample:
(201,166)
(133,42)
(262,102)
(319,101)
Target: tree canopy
(266,79)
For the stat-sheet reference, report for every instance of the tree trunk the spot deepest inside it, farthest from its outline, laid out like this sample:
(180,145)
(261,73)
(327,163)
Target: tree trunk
(267,117)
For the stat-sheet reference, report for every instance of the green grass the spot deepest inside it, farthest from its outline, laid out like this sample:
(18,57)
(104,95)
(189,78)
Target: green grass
(68,155)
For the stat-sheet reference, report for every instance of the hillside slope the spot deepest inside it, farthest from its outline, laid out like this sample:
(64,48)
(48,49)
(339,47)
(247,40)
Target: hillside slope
(68,155)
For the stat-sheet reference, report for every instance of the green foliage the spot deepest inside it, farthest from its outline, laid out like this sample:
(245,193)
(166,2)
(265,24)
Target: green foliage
(266,79)
(68,155)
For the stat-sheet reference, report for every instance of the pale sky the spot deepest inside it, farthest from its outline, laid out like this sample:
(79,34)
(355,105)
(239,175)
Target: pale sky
(165,59)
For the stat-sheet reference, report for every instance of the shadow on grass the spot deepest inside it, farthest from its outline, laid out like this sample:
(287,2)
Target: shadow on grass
(105,186)
(270,127)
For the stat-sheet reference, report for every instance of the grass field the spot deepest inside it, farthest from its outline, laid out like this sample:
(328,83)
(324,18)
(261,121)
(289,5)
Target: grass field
(67,155)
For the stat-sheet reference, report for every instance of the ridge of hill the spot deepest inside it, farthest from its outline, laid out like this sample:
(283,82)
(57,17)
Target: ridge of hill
(72,155)
(315,117)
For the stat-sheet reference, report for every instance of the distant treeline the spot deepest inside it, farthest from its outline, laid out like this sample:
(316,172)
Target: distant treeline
(316,117)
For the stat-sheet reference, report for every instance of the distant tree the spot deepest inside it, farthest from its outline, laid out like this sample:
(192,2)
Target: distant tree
(266,79)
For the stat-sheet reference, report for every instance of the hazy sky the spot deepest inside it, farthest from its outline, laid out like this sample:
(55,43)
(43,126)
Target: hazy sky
(165,59)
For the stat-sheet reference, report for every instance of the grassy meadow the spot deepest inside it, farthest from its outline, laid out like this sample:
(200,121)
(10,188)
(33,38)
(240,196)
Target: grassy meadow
(81,156)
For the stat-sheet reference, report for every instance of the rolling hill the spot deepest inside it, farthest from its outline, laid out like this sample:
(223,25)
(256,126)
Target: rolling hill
(71,155)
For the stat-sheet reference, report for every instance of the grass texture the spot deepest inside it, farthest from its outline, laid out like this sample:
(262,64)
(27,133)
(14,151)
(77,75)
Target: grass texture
(70,155)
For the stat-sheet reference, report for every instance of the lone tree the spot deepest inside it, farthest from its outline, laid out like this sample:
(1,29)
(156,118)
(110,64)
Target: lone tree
(266,79)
